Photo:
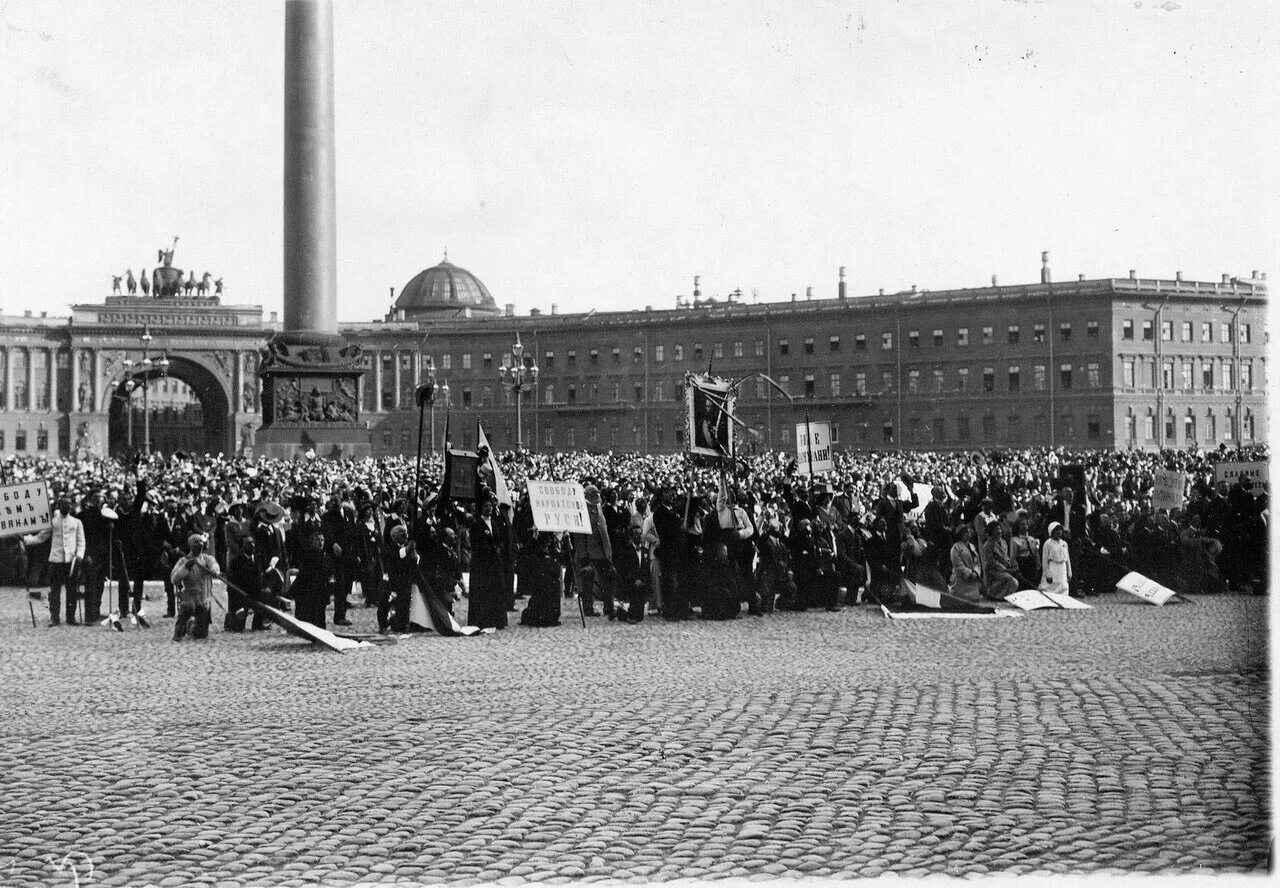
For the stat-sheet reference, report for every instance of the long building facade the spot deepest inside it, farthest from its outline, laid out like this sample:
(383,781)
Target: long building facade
(1124,362)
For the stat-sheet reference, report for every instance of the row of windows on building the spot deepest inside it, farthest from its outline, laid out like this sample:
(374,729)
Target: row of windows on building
(22,440)
(1175,373)
(1182,428)
(1187,331)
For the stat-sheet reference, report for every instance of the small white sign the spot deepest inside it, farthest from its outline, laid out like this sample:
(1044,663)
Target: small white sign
(1257,472)
(1147,589)
(813,440)
(559,505)
(24,508)
(1169,492)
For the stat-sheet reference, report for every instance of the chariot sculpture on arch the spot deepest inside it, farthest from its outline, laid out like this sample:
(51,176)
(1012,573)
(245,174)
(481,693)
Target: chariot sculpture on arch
(167,280)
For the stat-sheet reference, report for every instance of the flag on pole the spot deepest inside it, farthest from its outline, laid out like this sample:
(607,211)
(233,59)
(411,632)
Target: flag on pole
(500,490)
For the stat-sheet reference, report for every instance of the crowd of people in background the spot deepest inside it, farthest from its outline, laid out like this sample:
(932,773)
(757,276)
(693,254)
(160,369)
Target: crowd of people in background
(667,538)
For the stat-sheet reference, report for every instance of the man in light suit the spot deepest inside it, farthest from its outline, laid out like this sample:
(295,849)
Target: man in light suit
(66,551)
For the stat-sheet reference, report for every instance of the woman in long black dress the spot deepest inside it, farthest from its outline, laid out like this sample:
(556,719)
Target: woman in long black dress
(539,565)
(487,605)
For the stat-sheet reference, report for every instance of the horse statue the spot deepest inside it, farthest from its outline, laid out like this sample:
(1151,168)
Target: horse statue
(166,280)
(202,288)
(145,282)
(189,284)
(131,283)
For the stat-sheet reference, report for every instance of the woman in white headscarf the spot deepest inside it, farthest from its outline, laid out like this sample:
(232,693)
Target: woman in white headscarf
(1055,562)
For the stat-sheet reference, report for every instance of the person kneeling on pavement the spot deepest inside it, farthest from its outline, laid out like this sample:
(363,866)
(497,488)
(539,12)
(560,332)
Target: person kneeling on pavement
(192,578)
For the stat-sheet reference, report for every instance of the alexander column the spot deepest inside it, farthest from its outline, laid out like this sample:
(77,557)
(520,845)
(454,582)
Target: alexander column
(308,370)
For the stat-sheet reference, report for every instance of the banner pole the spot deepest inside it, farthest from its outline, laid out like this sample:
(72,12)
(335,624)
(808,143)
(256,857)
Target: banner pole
(808,443)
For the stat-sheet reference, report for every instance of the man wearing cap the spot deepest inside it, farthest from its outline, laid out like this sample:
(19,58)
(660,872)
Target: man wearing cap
(193,576)
(172,531)
(65,536)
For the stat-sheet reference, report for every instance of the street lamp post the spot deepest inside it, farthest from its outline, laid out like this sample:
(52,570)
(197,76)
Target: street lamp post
(1158,333)
(145,365)
(521,375)
(1237,420)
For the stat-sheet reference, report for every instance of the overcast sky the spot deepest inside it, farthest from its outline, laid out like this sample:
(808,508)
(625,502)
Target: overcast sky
(602,154)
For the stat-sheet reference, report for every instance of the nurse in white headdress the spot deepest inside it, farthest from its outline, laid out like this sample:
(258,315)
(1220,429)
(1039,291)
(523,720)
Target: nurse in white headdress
(1055,562)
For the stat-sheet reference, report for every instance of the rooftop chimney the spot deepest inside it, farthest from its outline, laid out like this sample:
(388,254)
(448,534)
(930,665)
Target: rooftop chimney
(793,299)
(1253,275)
(995,281)
(697,288)
(274,316)
(45,314)
(882,291)
(510,309)
(1133,274)
(393,295)
(808,293)
(27,313)
(554,308)
(1081,277)
(840,290)
(1177,276)
(1045,277)
(534,312)
(913,289)
(648,308)
(1226,278)
(1264,276)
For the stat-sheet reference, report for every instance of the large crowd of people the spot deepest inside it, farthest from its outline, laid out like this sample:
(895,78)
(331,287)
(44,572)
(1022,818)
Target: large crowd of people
(667,537)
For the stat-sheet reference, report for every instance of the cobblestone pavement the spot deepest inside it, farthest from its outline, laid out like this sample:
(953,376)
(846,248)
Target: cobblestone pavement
(1128,738)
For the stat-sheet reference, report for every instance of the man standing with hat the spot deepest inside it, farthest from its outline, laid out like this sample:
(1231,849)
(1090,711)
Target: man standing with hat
(66,551)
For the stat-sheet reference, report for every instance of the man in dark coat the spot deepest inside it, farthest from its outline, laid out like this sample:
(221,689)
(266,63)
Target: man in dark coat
(339,533)
(671,557)
(97,534)
(632,561)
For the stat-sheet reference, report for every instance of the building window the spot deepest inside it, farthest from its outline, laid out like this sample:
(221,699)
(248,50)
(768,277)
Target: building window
(759,389)
(886,380)
(1170,427)
(1206,376)
(784,382)
(759,348)
(1037,333)
(1064,376)
(1093,427)
(1188,372)
(833,344)
(718,350)
(1149,425)
(860,342)
(737,348)
(594,357)
(617,392)
(1166,376)
(571,394)
(1038,377)
(860,383)
(886,341)
(913,381)
(659,354)
(1148,331)
(1245,334)
(657,392)
(1246,375)
(697,351)
(988,428)
(887,431)
(550,392)
(988,379)
(571,437)
(835,433)
(784,347)
(1127,373)
(1210,426)
(962,381)
(571,358)
(962,336)
(808,386)
(913,430)
(677,389)
(1091,372)
(1126,329)
(466,397)
(1015,379)
(487,360)
(1064,331)
(20,440)
(1228,377)
(1226,333)
(1189,427)
(1186,330)
(1246,431)
(808,345)
(1166,331)
(42,438)
(962,428)
(639,393)
(937,339)
(835,385)
(617,356)
(937,379)
(988,335)
(677,351)
(1014,334)
(913,338)
(657,434)
(548,436)
(466,361)
(1091,329)
(549,360)
(488,396)
(1015,427)
(1206,331)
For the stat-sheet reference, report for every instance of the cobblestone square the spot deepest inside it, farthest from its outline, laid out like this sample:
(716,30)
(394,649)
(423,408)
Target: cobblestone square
(1128,738)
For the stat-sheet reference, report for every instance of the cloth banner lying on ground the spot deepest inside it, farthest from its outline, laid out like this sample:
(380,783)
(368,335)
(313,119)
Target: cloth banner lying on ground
(1034,599)
(1147,589)
(928,602)
(309,631)
(427,613)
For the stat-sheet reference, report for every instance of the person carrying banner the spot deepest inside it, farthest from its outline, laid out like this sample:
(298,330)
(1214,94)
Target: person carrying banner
(65,535)
(192,577)
(593,558)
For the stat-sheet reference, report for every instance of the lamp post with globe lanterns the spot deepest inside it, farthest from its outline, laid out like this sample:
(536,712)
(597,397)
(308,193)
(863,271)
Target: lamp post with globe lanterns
(145,365)
(426,398)
(521,375)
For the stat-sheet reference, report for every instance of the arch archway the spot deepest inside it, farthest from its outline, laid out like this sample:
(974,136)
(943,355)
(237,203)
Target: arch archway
(202,424)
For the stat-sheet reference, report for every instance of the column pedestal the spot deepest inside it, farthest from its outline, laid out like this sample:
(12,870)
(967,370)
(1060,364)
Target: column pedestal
(309,402)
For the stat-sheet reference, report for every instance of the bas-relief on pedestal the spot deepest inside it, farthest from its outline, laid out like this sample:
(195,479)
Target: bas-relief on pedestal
(309,401)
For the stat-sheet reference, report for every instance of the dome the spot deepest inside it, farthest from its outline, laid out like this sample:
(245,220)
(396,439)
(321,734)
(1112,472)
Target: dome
(445,288)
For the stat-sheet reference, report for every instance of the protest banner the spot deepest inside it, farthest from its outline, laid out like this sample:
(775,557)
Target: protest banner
(813,448)
(1256,472)
(559,505)
(1169,492)
(24,508)
(1145,588)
